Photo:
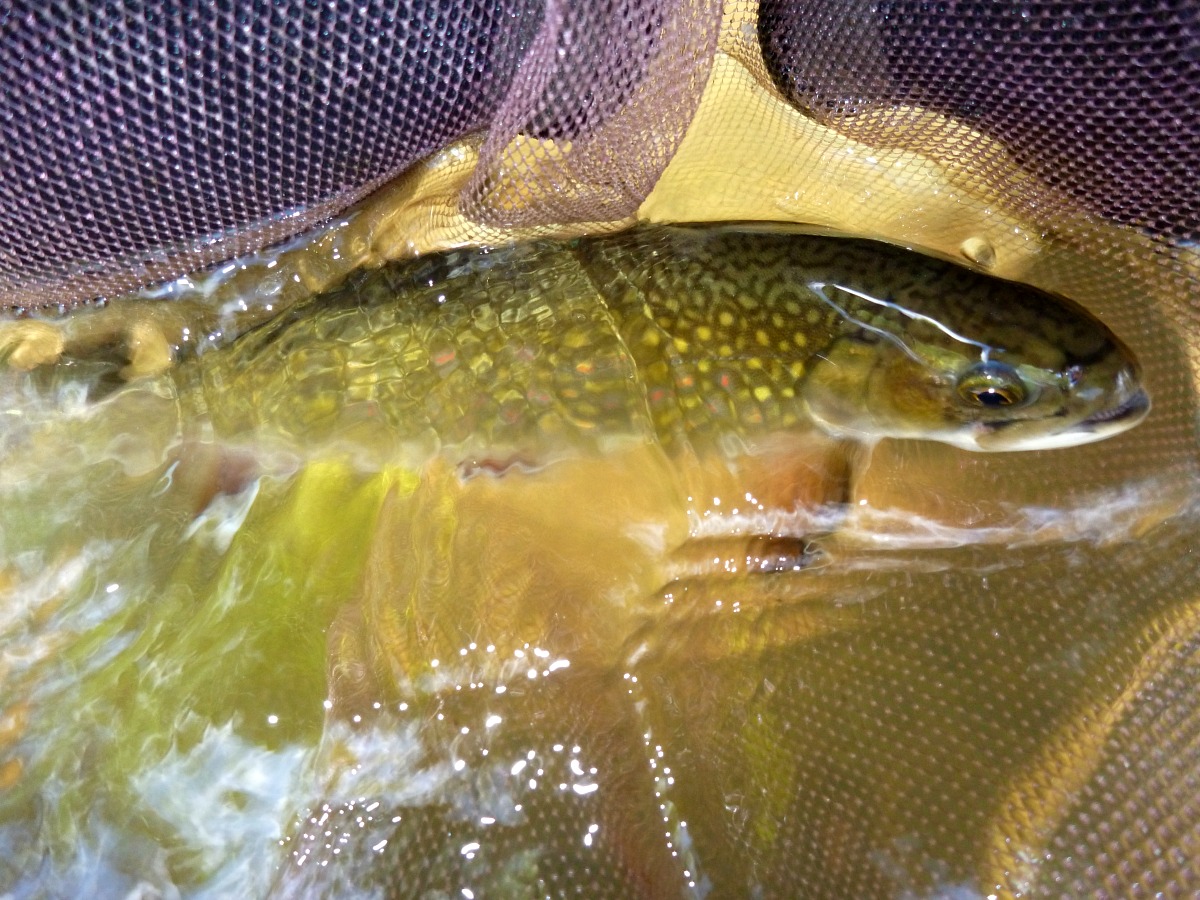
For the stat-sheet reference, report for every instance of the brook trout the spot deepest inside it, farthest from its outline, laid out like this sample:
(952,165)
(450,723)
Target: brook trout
(680,335)
(174,623)
(709,344)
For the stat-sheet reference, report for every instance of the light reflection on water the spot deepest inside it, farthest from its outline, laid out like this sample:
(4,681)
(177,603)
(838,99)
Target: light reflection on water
(169,630)
(233,668)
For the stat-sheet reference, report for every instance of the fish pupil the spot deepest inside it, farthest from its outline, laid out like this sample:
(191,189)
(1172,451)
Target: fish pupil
(991,385)
(993,398)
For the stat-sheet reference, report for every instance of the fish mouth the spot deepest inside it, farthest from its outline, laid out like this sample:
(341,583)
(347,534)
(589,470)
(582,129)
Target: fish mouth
(1008,435)
(1134,408)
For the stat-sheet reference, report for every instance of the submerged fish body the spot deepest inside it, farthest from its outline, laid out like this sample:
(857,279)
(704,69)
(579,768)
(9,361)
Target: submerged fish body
(247,606)
(682,335)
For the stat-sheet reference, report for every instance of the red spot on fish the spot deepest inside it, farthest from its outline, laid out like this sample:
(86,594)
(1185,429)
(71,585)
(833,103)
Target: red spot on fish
(445,357)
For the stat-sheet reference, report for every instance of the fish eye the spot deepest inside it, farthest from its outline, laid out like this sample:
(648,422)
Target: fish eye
(991,385)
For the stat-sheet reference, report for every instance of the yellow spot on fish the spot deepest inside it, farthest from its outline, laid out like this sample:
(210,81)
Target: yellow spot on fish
(800,339)
(754,363)
(763,338)
(812,317)
(703,333)
(651,338)
(762,393)
(796,369)
(681,344)
(576,338)
(724,350)
(725,317)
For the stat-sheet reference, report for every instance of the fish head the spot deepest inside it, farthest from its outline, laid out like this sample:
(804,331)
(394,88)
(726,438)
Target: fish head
(1013,369)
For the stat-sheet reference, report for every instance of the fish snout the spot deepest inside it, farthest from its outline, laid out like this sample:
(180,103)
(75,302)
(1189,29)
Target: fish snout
(1125,414)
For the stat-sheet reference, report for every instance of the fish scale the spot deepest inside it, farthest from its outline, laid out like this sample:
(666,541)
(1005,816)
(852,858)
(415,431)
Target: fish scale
(690,337)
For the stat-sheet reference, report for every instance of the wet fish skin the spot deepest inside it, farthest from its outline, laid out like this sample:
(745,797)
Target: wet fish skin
(688,336)
(878,341)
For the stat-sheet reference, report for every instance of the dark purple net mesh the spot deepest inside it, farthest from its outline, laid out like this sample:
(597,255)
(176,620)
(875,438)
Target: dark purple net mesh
(148,138)
(619,82)
(141,140)
(1097,99)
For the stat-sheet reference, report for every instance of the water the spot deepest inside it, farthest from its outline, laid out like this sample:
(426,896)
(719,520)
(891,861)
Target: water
(273,668)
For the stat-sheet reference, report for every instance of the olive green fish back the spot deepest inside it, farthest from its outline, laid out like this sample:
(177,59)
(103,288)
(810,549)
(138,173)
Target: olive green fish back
(506,351)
